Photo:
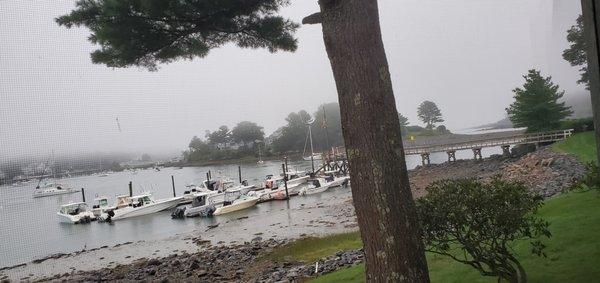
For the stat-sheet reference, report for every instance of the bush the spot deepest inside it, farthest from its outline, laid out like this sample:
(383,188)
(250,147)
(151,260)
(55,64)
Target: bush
(578,125)
(591,179)
(475,224)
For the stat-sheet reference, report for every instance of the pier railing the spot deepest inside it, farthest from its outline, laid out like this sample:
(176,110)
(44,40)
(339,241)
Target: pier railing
(534,138)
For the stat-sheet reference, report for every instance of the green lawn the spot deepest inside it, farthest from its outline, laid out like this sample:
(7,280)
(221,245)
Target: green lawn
(582,145)
(312,249)
(573,251)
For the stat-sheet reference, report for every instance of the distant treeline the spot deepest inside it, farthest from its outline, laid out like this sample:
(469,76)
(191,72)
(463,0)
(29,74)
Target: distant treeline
(246,139)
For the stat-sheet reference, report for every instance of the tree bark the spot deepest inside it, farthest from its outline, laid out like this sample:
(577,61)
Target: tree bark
(591,20)
(380,187)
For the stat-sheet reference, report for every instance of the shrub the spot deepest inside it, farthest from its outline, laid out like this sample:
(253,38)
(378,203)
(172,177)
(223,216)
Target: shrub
(592,177)
(578,125)
(476,223)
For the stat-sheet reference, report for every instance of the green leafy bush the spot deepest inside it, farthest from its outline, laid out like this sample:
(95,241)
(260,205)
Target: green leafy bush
(578,125)
(592,177)
(476,223)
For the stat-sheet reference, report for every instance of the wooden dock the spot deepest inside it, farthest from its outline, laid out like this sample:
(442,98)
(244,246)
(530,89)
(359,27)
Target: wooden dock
(505,142)
(475,143)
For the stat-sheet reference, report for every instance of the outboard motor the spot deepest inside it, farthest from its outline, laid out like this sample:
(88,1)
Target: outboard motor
(110,214)
(178,213)
(208,211)
(345,183)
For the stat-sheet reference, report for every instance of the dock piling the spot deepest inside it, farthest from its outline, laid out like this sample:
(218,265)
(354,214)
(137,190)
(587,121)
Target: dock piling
(506,150)
(130,189)
(425,158)
(451,155)
(83,194)
(287,195)
(173,183)
(477,154)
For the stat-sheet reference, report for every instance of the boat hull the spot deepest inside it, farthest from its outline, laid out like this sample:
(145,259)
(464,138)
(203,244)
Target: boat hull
(312,191)
(236,206)
(129,211)
(76,219)
(54,193)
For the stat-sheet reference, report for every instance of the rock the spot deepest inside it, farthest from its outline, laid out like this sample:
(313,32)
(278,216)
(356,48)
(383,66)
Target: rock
(201,273)
(292,274)
(153,262)
(194,265)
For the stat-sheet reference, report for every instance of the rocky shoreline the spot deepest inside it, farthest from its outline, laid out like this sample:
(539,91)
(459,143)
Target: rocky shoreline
(546,172)
(218,264)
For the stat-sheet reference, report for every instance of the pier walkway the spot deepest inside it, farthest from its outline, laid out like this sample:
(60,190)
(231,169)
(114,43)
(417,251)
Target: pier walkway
(477,142)
(449,144)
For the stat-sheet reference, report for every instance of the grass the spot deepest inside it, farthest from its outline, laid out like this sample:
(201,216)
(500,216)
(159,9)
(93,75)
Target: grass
(312,249)
(573,251)
(582,145)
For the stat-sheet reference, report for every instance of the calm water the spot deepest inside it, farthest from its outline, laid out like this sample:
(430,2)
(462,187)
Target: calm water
(29,228)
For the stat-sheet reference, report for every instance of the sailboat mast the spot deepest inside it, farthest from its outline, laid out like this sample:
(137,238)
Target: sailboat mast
(259,153)
(326,130)
(312,152)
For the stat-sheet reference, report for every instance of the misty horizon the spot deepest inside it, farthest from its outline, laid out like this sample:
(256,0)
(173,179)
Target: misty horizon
(55,99)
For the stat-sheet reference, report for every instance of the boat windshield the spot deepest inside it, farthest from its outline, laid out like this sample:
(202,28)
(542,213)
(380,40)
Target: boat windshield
(103,202)
(73,209)
(145,200)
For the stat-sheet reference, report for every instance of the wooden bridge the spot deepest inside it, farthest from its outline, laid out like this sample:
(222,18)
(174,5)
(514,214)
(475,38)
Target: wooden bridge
(475,143)
(503,141)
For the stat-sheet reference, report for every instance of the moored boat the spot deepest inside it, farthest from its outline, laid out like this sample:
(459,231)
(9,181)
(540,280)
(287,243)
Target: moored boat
(52,189)
(139,205)
(240,203)
(315,186)
(75,213)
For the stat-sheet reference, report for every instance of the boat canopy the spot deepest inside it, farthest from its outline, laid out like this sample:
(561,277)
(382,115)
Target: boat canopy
(73,208)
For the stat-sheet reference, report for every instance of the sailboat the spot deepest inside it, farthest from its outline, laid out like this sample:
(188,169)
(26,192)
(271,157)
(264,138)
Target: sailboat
(313,156)
(52,189)
(260,161)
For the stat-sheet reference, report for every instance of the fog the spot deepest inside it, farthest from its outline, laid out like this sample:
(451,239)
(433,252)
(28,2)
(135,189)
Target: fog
(465,55)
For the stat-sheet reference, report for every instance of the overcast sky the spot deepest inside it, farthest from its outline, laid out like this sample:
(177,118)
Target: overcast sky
(465,55)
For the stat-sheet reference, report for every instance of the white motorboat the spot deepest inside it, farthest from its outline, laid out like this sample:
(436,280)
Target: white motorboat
(240,203)
(75,213)
(101,206)
(315,186)
(52,189)
(274,187)
(203,204)
(337,181)
(191,191)
(316,156)
(139,205)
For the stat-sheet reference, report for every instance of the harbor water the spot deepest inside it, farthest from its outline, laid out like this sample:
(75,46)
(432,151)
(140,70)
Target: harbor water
(29,227)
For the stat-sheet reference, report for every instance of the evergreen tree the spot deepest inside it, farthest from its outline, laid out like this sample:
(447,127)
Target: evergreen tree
(403,123)
(147,32)
(537,105)
(430,114)
(576,53)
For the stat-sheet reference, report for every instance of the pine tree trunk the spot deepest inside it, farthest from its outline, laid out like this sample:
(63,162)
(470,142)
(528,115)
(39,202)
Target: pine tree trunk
(380,188)
(591,20)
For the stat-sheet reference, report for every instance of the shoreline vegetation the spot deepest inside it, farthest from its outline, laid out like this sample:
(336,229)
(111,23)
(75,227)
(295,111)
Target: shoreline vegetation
(573,217)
